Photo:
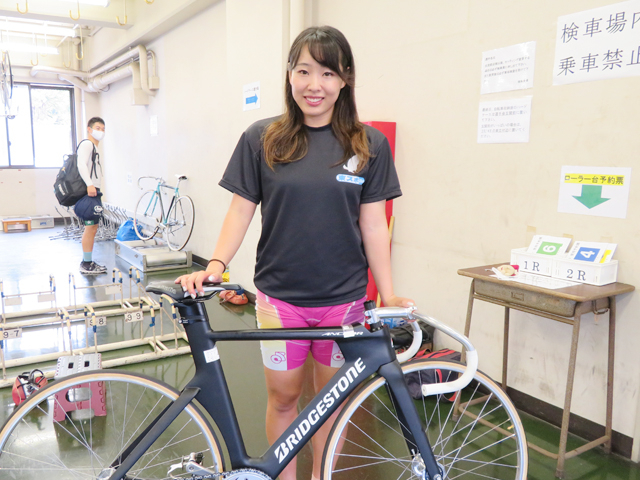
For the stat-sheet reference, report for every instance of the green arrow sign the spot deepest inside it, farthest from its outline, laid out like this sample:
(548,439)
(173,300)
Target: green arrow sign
(591,196)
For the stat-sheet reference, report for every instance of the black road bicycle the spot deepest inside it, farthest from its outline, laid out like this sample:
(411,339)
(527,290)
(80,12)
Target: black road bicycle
(144,429)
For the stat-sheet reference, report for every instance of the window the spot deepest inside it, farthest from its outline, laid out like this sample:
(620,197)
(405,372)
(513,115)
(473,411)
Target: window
(42,131)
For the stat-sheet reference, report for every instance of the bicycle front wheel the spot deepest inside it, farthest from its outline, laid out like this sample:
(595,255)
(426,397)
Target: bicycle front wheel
(180,223)
(484,439)
(148,215)
(78,426)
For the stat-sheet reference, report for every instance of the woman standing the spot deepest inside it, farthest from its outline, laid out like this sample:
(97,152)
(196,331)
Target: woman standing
(322,179)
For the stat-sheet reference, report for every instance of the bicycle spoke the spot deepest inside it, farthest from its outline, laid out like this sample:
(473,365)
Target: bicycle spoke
(482,442)
(82,449)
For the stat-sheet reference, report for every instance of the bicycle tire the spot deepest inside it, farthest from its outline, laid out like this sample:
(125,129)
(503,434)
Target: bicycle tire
(180,222)
(33,445)
(366,440)
(148,216)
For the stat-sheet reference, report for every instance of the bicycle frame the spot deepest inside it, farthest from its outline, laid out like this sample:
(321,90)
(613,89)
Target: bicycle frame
(365,352)
(158,197)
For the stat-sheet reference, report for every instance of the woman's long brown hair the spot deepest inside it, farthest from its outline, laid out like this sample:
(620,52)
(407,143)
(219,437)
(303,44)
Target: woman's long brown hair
(285,140)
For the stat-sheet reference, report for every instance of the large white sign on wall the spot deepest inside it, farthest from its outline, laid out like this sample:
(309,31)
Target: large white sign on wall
(598,44)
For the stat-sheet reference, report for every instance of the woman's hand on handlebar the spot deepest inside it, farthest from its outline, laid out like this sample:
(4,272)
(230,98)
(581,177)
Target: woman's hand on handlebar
(193,283)
(394,301)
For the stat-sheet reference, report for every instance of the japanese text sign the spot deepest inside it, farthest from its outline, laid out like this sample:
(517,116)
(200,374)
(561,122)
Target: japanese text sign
(509,68)
(504,121)
(598,44)
(597,191)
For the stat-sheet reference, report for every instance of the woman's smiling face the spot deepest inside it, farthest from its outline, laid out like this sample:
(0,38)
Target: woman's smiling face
(315,89)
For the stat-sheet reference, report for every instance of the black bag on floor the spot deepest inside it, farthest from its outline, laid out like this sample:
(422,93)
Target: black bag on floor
(69,186)
(402,336)
(415,380)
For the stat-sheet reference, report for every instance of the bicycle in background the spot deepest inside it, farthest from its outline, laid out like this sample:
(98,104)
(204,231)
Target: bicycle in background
(6,83)
(149,430)
(174,223)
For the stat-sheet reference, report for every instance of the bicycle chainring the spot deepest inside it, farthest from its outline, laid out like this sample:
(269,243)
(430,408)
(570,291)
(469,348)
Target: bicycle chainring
(245,474)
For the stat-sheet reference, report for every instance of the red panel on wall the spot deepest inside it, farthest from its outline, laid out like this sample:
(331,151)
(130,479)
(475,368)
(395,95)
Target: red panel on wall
(389,131)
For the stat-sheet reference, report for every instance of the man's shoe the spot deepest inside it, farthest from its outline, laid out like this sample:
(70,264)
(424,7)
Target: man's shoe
(92,268)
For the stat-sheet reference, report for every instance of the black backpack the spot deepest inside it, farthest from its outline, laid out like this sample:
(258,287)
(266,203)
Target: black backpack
(415,380)
(69,186)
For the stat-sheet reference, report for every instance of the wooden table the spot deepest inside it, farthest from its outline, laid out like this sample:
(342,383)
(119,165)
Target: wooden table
(564,305)
(12,222)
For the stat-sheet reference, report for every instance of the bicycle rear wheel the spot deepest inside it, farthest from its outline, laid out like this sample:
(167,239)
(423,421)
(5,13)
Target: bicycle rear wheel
(148,215)
(483,440)
(180,223)
(54,436)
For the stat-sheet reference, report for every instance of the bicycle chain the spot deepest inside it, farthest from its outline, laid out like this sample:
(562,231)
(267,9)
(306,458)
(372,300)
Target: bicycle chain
(240,474)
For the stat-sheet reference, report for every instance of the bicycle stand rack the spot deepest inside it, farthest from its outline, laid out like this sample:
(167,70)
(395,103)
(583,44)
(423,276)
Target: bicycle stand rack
(152,255)
(139,313)
(85,400)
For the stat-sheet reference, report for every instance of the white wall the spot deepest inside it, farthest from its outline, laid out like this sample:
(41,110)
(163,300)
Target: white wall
(202,66)
(467,204)
(464,204)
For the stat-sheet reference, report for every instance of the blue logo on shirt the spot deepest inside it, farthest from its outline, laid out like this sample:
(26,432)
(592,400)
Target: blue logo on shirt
(350,179)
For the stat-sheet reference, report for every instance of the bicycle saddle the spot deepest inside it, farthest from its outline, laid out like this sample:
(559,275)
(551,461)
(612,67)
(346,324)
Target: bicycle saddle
(174,290)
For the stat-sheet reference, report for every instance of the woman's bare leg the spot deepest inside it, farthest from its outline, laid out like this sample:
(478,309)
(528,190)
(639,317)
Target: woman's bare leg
(283,390)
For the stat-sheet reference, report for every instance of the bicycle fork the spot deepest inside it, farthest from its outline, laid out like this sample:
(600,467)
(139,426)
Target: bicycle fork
(424,464)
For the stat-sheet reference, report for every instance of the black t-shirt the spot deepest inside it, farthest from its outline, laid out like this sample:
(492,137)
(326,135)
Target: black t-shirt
(310,252)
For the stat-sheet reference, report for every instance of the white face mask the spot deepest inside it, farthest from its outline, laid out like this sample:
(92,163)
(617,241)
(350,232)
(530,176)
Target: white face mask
(97,134)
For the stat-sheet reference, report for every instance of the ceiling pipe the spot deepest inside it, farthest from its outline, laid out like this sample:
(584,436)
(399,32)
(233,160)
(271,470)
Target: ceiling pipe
(78,83)
(62,71)
(102,81)
(98,79)
(139,52)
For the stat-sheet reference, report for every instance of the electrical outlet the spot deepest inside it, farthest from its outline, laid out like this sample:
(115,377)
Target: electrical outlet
(129,178)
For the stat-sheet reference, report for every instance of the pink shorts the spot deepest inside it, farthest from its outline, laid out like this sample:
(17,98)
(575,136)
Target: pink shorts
(290,354)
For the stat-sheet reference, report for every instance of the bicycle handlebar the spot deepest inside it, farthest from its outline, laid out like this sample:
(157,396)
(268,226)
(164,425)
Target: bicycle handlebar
(162,181)
(157,179)
(412,316)
(176,293)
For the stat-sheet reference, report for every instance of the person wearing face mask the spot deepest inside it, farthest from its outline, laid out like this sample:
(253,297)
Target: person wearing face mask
(89,208)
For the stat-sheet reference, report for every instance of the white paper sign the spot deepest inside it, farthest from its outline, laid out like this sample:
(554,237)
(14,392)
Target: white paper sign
(547,245)
(598,44)
(504,121)
(10,301)
(133,316)
(509,68)
(251,96)
(595,252)
(153,125)
(13,333)
(100,321)
(597,191)
(112,289)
